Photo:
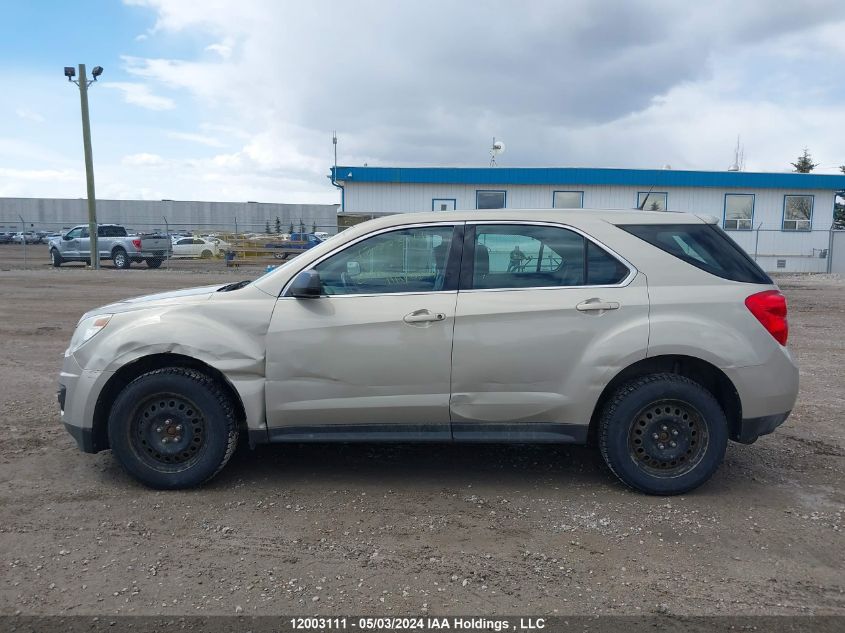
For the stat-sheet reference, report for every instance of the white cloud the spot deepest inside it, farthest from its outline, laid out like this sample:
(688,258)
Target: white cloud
(143,159)
(202,139)
(29,115)
(141,95)
(224,49)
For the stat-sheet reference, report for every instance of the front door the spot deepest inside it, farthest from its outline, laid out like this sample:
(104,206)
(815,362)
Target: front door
(545,318)
(370,359)
(70,245)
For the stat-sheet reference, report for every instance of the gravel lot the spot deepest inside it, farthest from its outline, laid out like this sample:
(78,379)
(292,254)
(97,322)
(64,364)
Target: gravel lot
(407,529)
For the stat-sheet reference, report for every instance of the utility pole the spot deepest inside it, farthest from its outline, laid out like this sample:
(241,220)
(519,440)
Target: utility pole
(83,83)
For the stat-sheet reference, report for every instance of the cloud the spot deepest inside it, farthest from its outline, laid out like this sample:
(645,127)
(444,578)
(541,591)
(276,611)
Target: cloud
(633,83)
(142,159)
(202,139)
(224,49)
(141,95)
(29,115)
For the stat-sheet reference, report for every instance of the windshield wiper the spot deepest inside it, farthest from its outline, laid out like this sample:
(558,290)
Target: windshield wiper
(235,286)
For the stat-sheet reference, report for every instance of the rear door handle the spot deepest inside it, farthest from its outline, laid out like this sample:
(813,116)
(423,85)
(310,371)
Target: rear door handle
(424,316)
(593,305)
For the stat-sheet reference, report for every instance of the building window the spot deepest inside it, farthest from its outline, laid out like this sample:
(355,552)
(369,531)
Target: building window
(652,200)
(739,211)
(443,204)
(490,199)
(568,200)
(797,213)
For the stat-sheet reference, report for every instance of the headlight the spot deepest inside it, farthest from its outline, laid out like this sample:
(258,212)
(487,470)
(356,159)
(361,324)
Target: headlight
(86,329)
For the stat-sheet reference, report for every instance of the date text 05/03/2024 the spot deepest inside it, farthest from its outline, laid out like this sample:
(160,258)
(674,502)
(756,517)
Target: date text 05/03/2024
(417,624)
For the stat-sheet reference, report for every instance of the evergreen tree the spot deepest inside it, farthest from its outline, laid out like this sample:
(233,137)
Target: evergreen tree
(804,164)
(842,168)
(267,227)
(278,225)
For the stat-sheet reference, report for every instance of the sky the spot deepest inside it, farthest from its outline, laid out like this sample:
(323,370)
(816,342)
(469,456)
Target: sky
(237,100)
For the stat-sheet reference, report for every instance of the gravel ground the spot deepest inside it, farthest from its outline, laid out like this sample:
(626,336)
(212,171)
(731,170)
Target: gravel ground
(408,529)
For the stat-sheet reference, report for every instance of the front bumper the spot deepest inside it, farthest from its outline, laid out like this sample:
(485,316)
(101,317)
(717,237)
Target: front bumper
(77,397)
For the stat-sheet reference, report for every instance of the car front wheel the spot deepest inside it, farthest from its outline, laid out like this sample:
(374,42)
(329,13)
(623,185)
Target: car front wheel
(663,434)
(173,428)
(55,258)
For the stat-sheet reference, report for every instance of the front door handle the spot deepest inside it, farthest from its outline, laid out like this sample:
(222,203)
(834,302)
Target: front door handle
(594,305)
(423,316)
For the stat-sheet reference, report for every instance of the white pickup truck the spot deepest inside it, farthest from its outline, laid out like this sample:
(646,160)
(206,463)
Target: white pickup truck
(114,243)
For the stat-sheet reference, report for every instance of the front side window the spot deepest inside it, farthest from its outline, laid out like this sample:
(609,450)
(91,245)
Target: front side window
(797,213)
(490,199)
(407,260)
(568,200)
(652,200)
(739,211)
(528,256)
(185,241)
(75,233)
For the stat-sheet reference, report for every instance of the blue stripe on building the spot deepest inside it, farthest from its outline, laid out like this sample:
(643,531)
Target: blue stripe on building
(589,176)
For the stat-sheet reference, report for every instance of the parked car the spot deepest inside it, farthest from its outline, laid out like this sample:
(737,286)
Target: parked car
(114,243)
(29,237)
(6,238)
(650,335)
(194,247)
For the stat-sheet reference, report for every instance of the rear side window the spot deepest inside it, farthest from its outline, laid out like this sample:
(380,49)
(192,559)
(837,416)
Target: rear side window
(704,246)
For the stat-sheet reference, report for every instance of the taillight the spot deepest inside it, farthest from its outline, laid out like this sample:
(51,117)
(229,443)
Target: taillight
(770,309)
(137,244)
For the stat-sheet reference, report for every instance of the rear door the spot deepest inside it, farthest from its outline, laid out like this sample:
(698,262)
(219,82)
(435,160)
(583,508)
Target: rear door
(545,317)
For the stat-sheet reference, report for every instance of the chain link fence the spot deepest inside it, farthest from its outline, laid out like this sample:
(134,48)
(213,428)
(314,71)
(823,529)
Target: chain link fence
(272,241)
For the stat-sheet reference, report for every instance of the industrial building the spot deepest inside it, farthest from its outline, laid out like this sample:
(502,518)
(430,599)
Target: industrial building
(783,220)
(58,214)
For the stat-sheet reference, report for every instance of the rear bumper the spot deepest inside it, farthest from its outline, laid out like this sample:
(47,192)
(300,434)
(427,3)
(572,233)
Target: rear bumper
(752,428)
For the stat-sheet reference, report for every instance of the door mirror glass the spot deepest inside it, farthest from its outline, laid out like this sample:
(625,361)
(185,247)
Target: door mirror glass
(306,285)
(353,269)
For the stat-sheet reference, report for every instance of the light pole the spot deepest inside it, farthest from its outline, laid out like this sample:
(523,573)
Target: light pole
(83,82)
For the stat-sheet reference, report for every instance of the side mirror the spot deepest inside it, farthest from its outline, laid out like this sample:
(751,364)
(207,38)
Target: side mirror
(306,285)
(353,269)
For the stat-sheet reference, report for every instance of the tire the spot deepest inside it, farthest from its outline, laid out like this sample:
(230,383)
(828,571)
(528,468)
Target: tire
(197,422)
(55,258)
(153,262)
(663,434)
(120,258)
(206,254)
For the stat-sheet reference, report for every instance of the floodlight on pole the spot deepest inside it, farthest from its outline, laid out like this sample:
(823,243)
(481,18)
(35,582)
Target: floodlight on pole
(83,83)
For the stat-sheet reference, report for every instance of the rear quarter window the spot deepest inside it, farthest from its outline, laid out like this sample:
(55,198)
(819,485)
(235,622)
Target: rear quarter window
(704,246)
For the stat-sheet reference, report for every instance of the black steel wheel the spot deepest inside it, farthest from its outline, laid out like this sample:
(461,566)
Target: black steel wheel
(667,438)
(153,262)
(168,432)
(173,428)
(663,434)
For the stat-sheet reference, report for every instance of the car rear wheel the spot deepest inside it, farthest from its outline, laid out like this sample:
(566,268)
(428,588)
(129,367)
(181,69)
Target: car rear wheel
(55,258)
(173,428)
(663,434)
(153,262)
(120,258)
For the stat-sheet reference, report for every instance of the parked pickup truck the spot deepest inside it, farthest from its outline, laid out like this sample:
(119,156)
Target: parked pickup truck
(114,243)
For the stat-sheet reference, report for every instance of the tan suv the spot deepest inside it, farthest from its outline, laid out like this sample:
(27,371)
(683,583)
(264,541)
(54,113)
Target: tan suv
(651,335)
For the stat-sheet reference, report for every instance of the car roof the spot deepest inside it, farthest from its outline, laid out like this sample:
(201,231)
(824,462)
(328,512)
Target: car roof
(611,216)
